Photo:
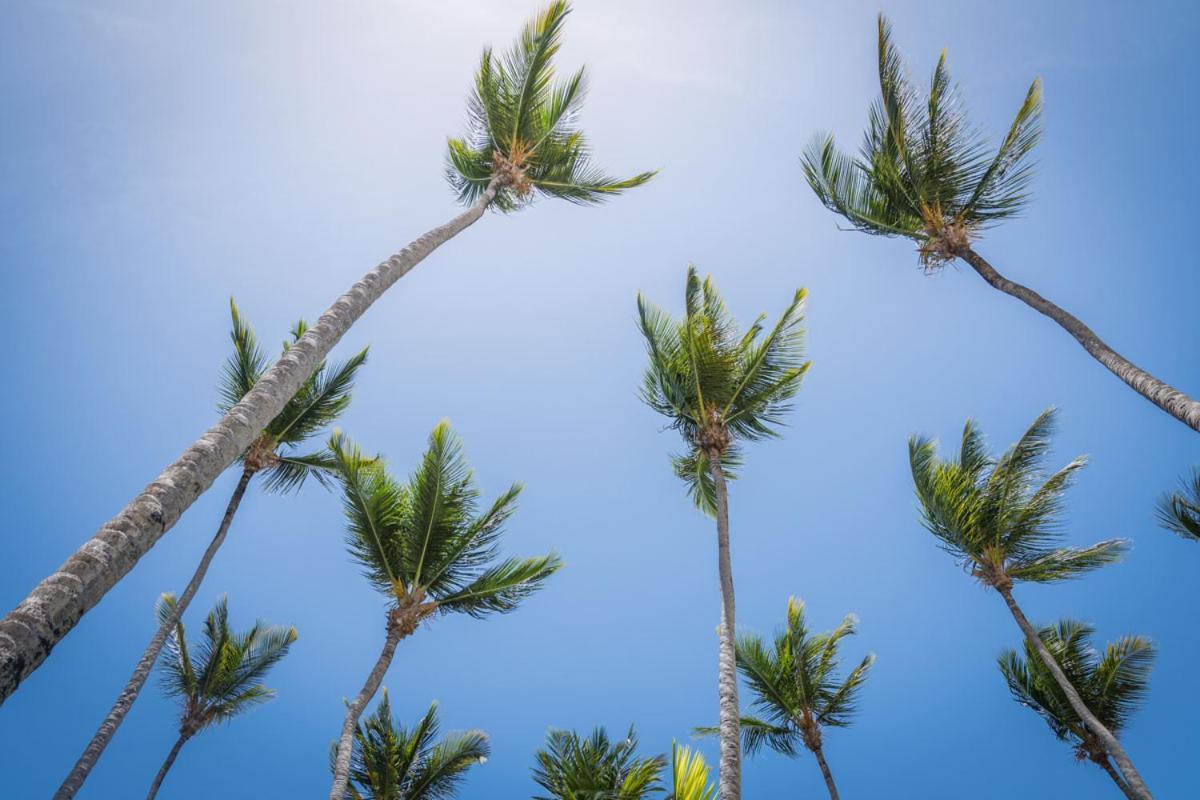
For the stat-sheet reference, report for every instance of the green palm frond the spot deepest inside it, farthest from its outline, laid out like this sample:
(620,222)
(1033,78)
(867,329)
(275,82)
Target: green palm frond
(571,767)
(501,588)
(759,733)
(689,774)
(320,401)
(291,471)
(245,366)
(1179,511)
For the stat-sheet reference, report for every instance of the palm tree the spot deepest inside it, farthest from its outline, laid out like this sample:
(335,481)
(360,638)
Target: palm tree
(689,776)
(275,454)
(427,547)
(524,142)
(1179,511)
(391,762)
(992,515)
(571,767)
(924,173)
(717,389)
(1112,686)
(797,690)
(218,678)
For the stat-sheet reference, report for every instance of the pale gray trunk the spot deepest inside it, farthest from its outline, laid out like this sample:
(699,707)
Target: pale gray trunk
(833,792)
(727,695)
(30,631)
(1136,785)
(1117,779)
(341,766)
(125,701)
(1168,398)
(162,772)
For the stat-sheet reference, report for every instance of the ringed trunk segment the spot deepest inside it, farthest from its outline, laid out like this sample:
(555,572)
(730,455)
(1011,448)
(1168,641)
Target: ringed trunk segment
(730,773)
(29,632)
(1163,395)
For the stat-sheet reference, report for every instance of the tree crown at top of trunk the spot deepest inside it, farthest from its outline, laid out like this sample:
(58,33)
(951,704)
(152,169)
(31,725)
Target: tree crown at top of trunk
(573,767)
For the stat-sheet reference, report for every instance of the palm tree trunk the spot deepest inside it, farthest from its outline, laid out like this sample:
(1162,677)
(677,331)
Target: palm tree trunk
(833,792)
(1136,785)
(341,767)
(30,631)
(730,712)
(125,701)
(162,772)
(1117,779)
(1166,397)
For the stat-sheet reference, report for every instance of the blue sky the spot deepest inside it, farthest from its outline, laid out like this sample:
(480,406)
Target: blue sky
(155,159)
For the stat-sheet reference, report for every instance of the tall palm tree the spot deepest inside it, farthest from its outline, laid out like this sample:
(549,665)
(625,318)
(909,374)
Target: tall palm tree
(1112,686)
(1179,511)
(689,774)
(797,690)
(218,678)
(524,142)
(992,515)
(719,388)
(429,549)
(275,455)
(391,762)
(925,173)
(571,767)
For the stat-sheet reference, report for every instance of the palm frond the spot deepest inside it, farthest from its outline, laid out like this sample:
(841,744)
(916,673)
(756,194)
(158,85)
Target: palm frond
(689,774)
(244,367)
(1179,511)
(571,767)
(501,588)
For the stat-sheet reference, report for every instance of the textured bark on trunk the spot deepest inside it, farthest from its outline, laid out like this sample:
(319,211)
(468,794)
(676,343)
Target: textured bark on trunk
(162,772)
(833,792)
(1167,398)
(727,695)
(341,767)
(1117,779)
(125,701)
(29,632)
(1136,785)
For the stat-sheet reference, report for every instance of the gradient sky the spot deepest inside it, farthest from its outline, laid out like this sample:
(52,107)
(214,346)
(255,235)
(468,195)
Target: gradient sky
(157,158)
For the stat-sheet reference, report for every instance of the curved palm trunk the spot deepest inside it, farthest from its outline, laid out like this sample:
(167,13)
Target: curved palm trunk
(730,715)
(125,701)
(30,631)
(1166,397)
(162,772)
(1136,785)
(1117,779)
(341,767)
(833,792)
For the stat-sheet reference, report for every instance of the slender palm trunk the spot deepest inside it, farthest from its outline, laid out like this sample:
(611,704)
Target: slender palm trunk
(162,772)
(125,701)
(30,631)
(1136,785)
(833,792)
(1166,397)
(730,711)
(1117,779)
(341,767)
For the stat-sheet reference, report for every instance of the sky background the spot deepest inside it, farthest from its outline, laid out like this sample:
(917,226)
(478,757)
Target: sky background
(157,158)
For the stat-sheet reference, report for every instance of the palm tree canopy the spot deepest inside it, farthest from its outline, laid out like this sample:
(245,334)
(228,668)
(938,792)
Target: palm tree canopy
(595,768)
(1001,517)
(923,171)
(715,386)
(1179,511)
(690,776)
(392,762)
(316,405)
(1112,685)
(220,676)
(523,127)
(428,539)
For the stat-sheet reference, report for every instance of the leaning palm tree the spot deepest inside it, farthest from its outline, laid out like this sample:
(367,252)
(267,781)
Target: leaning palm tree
(218,678)
(1179,511)
(1112,686)
(571,767)
(689,774)
(719,388)
(992,515)
(524,142)
(924,173)
(276,456)
(391,762)
(429,549)
(797,690)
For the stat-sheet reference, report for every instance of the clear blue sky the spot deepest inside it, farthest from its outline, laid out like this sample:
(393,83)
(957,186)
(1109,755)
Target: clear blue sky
(155,159)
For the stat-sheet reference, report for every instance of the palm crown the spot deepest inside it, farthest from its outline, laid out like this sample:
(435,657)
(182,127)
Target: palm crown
(220,676)
(1179,511)
(425,542)
(1111,685)
(523,127)
(923,171)
(715,386)
(392,762)
(320,400)
(595,768)
(997,515)
(689,776)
